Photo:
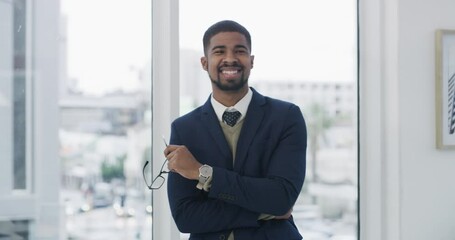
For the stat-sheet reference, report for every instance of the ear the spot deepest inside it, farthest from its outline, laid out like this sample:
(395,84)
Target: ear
(204,63)
(252,61)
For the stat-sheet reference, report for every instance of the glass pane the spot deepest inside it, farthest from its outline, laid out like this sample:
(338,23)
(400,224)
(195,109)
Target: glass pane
(306,53)
(18,230)
(19,94)
(105,115)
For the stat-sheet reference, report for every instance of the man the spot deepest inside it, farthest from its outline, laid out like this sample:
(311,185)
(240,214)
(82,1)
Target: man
(238,162)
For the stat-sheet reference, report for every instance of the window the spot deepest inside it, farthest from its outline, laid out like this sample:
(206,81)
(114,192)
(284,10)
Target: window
(14,91)
(20,91)
(98,118)
(15,115)
(300,43)
(15,229)
(105,118)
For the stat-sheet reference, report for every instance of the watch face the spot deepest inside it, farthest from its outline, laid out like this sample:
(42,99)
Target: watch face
(206,171)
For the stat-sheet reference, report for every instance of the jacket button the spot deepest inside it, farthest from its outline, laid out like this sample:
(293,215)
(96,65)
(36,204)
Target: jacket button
(222,237)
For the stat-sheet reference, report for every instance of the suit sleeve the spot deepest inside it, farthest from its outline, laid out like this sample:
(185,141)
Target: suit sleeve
(194,212)
(277,192)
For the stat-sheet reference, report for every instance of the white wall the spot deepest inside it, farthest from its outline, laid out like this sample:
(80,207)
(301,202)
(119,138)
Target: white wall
(407,185)
(428,175)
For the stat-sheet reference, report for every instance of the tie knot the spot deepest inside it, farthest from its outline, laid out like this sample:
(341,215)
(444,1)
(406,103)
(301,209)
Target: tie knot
(230,118)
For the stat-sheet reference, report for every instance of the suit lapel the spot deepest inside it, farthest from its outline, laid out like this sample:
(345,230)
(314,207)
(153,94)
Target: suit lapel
(210,120)
(251,125)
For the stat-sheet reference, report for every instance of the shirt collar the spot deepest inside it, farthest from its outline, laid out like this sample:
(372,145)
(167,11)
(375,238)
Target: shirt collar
(241,106)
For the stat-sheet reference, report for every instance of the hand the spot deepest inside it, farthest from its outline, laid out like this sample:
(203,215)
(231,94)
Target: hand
(181,161)
(285,216)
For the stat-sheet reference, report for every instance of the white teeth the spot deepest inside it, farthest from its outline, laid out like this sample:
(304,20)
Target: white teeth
(229,72)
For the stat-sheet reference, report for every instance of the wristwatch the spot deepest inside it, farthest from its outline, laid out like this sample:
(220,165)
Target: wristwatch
(205,171)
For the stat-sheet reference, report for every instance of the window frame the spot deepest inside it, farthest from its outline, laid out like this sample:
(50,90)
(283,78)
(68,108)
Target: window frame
(8,46)
(13,196)
(165,102)
(379,148)
(379,165)
(39,202)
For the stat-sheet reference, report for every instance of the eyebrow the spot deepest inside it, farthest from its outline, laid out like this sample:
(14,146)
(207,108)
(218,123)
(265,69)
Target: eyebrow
(224,47)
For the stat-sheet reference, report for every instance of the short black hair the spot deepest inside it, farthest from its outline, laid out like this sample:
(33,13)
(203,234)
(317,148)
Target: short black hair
(225,26)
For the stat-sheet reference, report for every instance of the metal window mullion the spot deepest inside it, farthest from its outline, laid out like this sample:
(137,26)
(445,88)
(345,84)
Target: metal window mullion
(29,96)
(6,102)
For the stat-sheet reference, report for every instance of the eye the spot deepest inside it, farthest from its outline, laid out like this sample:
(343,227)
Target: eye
(218,52)
(241,51)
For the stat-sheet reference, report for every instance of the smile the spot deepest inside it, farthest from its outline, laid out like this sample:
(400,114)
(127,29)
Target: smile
(229,72)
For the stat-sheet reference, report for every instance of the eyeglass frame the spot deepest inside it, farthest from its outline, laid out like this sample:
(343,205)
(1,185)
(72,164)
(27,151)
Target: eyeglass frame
(160,175)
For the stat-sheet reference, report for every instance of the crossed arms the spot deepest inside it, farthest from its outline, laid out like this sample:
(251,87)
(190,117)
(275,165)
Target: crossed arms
(236,200)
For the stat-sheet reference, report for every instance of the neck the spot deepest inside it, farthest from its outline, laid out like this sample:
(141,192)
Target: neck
(229,98)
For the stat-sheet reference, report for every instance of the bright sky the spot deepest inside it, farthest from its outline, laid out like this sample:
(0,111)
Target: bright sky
(301,40)
(108,41)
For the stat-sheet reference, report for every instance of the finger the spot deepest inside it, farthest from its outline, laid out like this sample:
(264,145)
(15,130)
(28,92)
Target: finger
(170,150)
(167,150)
(172,147)
(170,155)
(169,166)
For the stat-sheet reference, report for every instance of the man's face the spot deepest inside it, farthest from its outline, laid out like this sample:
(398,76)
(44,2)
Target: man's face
(228,61)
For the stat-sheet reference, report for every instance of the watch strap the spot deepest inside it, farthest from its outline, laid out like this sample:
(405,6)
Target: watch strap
(205,186)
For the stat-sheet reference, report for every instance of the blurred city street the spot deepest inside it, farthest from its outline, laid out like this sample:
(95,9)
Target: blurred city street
(110,222)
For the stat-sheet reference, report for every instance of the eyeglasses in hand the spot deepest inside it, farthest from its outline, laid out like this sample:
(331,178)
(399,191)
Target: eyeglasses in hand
(158,181)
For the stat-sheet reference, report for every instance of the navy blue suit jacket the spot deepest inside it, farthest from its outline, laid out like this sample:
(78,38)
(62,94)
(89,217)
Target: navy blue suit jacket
(267,175)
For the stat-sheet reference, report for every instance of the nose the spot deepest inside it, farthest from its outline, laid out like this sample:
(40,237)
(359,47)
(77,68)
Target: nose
(230,58)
